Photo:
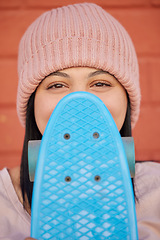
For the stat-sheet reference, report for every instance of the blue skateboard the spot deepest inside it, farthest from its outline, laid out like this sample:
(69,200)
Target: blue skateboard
(82,184)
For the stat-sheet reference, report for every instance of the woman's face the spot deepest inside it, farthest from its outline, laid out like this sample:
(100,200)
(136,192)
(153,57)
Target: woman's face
(54,87)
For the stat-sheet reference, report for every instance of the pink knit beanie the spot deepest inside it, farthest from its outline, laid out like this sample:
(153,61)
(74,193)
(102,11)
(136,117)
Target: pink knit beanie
(76,35)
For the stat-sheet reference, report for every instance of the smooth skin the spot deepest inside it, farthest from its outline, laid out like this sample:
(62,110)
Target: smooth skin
(58,84)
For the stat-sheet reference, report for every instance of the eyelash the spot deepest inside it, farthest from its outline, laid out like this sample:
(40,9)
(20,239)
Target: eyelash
(98,84)
(101,84)
(57,85)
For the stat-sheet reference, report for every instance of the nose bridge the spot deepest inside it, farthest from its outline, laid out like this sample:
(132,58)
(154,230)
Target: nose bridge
(79,85)
(79,89)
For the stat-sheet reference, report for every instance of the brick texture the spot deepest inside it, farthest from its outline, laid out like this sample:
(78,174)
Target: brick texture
(11,137)
(10,159)
(141,19)
(150,85)
(147,133)
(10,3)
(143,27)
(156,2)
(109,3)
(9,80)
(154,80)
(13,25)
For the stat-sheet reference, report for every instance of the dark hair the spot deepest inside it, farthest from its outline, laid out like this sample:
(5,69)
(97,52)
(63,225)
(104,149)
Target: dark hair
(32,133)
(126,130)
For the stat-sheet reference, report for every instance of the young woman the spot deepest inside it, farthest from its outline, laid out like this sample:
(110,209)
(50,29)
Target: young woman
(79,47)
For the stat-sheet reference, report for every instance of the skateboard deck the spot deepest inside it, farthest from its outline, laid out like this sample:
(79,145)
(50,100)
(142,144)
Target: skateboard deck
(82,186)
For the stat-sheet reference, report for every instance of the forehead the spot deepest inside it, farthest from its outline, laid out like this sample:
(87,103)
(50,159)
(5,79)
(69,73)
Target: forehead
(83,71)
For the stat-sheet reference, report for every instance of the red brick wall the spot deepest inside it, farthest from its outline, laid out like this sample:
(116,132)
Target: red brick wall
(142,20)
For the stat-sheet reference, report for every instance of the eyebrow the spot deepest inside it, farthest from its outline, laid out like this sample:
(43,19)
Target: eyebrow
(60,74)
(98,72)
(92,74)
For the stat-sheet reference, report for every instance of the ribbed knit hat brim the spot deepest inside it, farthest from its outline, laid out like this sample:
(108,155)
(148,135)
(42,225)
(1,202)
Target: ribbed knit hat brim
(72,36)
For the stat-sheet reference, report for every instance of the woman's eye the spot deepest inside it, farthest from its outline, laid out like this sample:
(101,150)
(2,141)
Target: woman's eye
(101,84)
(56,85)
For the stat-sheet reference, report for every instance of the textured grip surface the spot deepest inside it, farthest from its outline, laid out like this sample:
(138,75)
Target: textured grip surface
(82,186)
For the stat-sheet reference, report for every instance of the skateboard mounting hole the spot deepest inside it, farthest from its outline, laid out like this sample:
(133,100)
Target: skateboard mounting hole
(67,179)
(96,135)
(66,136)
(97,178)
